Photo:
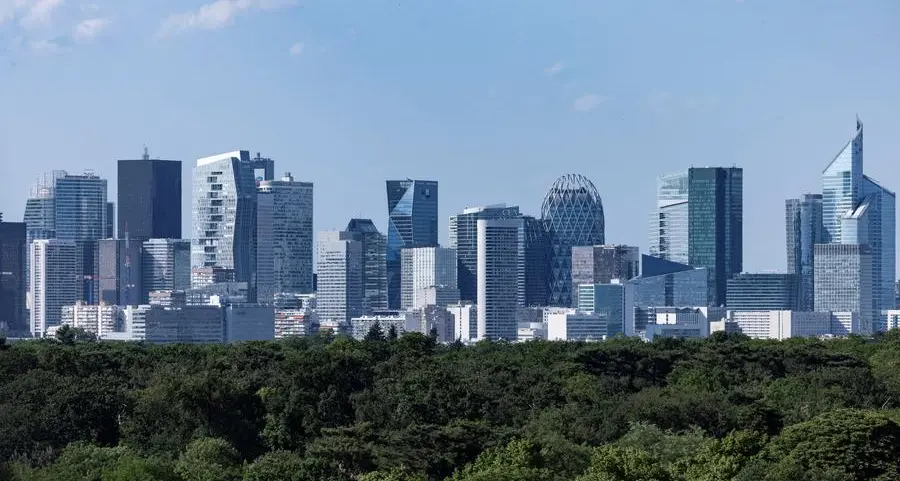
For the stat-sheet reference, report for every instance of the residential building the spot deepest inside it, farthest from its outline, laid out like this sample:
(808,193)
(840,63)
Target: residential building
(763,292)
(100,320)
(412,222)
(80,217)
(149,198)
(804,229)
(464,239)
(401,321)
(292,233)
(424,267)
(374,245)
(54,281)
(500,274)
(340,271)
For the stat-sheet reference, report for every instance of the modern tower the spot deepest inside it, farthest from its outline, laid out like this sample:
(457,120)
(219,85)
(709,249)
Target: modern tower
(40,212)
(601,264)
(149,199)
(501,277)
(669,222)
(224,214)
(110,220)
(80,213)
(843,281)
(803,229)
(292,233)
(119,272)
(412,222)
(165,266)
(12,277)
(762,292)
(263,270)
(339,261)
(842,185)
(537,261)
(424,267)
(464,238)
(573,213)
(374,246)
(54,281)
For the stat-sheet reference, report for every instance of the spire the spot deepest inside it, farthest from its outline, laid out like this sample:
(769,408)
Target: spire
(858,123)
(146,153)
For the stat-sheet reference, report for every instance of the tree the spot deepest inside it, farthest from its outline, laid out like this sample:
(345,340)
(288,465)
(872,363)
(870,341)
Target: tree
(615,463)
(376,333)
(68,335)
(392,333)
(275,466)
(209,459)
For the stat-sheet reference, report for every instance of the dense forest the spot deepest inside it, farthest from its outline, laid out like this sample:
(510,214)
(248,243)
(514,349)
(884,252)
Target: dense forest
(410,409)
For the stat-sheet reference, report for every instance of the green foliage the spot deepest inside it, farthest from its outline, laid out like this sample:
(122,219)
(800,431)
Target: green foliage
(616,463)
(209,459)
(276,466)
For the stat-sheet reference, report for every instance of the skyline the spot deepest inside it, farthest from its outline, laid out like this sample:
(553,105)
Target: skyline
(501,100)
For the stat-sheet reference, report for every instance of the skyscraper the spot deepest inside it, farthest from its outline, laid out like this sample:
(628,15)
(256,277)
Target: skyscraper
(601,264)
(537,261)
(464,238)
(843,281)
(803,229)
(292,233)
(842,185)
(762,292)
(119,272)
(413,222)
(149,198)
(80,213)
(424,267)
(500,277)
(374,246)
(54,281)
(715,225)
(165,266)
(263,277)
(110,220)
(40,213)
(339,261)
(573,213)
(224,214)
(12,276)
(669,222)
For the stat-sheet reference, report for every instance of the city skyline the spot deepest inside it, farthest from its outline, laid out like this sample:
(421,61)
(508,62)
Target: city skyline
(344,117)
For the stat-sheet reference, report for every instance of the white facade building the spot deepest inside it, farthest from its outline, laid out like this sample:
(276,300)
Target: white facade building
(787,324)
(500,277)
(575,325)
(465,321)
(292,233)
(98,319)
(340,290)
(54,281)
(424,267)
(401,321)
(683,323)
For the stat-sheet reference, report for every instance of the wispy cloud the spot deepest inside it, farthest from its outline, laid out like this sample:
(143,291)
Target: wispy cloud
(555,68)
(589,102)
(297,48)
(39,12)
(216,15)
(89,28)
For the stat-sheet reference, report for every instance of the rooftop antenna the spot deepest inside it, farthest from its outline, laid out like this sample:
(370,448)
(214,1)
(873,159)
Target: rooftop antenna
(146,153)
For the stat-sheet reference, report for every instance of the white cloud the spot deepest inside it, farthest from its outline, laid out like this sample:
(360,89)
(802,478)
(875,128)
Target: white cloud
(555,68)
(216,15)
(297,48)
(39,12)
(89,28)
(588,102)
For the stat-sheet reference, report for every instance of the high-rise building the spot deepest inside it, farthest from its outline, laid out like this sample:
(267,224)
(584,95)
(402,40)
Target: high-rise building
(762,292)
(374,245)
(110,220)
(413,222)
(601,264)
(339,297)
(803,229)
(119,272)
(165,266)
(501,277)
(292,233)
(669,284)
(263,277)
(40,213)
(843,281)
(614,302)
(424,267)
(700,215)
(537,261)
(12,276)
(224,214)
(149,198)
(573,213)
(80,213)
(882,238)
(464,238)
(54,281)
(842,187)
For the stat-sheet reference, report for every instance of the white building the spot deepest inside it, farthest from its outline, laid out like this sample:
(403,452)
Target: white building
(500,277)
(340,290)
(54,281)
(465,321)
(424,267)
(100,320)
(438,319)
(292,233)
(441,296)
(293,322)
(401,321)
(683,323)
(890,319)
(575,325)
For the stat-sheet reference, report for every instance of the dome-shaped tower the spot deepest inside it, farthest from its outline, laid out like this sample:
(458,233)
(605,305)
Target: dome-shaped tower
(573,213)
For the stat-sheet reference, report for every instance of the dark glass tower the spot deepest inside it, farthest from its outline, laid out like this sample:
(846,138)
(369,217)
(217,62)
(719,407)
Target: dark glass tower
(803,229)
(412,222)
(464,238)
(80,213)
(715,225)
(12,277)
(374,246)
(149,199)
(537,262)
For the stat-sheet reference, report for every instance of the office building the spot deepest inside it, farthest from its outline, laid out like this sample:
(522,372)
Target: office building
(80,213)
(843,281)
(424,267)
(400,321)
(437,321)
(263,270)
(763,292)
(465,321)
(440,296)
(412,222)
(40,213)
(189,325)
(601,264)
(842,188)
(574,325)
(782,324)
(292,233)
(249,322)
(110,220)
(537,261)
(573,214)
(613,302)
(803,229)
(374,245)
(54,281)
(12,277)
(149,198)
(119,271)
(100,320)
(339,297)
(166,266)
(464,238)
(294,323)
(712,218)
(669,284)
(683,322)
(205,276)
(224,214)
(501,277)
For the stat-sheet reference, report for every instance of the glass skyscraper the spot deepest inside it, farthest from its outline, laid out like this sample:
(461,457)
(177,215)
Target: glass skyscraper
(537,261)
(844,281)
(374,246)
(412,222)
(292,233)
(762,292)
(40,212)
(803,229)
(464,238)
(842,185)
(573,213)
(669,223)
(80,213)
(149,198)
(501,277)
(12,277)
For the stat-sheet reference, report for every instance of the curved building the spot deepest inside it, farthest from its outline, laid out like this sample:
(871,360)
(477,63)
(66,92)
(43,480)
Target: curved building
(573,213)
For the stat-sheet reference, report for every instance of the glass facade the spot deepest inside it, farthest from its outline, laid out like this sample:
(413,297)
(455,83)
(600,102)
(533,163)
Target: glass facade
(165,266)
(501,277)
(12,277)
(464,238)
(843,281)
(80,213)
(613,302)
(375,266)
(119,272)
(573,213)
(669,223)
(803,229)
(537,262)
(424,267)
(670,285)
(412,222)
(842,185)
(762,292)
(339,296)
(149,199)
(292,233)
(882,237)
(602,264)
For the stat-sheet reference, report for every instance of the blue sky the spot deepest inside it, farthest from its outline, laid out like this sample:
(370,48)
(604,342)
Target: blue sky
(492,98)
